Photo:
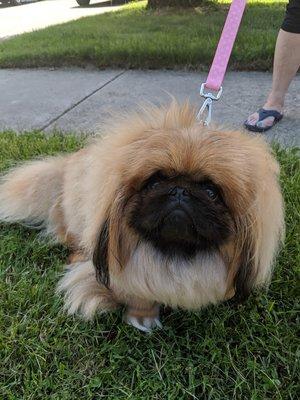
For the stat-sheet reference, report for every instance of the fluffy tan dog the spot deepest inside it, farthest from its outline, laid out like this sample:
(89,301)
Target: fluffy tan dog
(160,211)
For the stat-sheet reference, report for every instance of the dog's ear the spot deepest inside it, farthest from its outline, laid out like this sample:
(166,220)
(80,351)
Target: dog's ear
(244,279)
(100,256)
(243,260)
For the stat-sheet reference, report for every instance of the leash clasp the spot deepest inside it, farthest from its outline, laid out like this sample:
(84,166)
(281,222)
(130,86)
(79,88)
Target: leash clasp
(207,105)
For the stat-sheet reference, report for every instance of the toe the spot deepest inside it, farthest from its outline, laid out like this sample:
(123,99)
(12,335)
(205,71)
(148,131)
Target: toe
(158,324)
(144,324)
(269,121)
(253,118)
(133,321)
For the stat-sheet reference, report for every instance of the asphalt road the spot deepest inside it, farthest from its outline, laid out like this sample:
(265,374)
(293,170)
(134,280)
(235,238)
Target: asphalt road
(31,16)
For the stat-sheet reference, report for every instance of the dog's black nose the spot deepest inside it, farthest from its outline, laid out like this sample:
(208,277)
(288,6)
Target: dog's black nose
(178,192)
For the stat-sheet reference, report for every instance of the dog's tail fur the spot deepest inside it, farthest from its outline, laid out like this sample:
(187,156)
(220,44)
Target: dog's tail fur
(28,192)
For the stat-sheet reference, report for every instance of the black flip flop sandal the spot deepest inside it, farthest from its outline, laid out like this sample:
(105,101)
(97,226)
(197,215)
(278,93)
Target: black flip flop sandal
(263,114)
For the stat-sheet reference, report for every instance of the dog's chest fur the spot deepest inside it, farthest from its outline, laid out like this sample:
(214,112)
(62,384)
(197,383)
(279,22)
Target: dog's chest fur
(176,282)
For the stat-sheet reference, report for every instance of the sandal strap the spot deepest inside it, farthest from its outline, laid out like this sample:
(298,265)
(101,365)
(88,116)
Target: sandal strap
(263,114)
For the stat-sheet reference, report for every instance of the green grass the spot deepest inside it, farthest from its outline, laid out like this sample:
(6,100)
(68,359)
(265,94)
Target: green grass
(138,38)
(248,353)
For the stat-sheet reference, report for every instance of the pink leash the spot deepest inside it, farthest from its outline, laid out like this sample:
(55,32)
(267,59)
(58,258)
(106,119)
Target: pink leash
(218,68)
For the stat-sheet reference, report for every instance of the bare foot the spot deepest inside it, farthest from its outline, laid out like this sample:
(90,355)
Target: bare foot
(255,120)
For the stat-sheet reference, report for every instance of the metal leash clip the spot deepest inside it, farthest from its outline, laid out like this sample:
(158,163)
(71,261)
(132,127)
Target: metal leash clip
(207,105)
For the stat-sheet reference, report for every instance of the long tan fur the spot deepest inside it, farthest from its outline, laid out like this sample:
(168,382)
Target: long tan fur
(75,195)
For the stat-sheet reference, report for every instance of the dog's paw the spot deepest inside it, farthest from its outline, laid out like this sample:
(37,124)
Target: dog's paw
(144,324)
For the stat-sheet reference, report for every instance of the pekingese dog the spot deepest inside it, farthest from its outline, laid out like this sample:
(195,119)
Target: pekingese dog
(161,210)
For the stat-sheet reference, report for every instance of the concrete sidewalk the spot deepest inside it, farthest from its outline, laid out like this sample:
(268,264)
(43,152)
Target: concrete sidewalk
(74,100)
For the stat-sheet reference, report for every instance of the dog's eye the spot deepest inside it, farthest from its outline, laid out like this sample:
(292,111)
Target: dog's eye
(153,185)
(212,193)
(210,189)
(154,181)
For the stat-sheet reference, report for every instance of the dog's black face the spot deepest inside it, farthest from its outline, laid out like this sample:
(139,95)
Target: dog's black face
(180,216)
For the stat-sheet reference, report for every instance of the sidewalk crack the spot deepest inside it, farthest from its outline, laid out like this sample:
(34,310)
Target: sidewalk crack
(81,101)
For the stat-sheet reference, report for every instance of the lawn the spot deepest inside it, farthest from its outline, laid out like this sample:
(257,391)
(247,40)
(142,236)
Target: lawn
(135,37)
(247,352)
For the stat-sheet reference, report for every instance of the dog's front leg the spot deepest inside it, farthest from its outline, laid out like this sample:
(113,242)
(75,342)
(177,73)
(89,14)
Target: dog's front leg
(143,315)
